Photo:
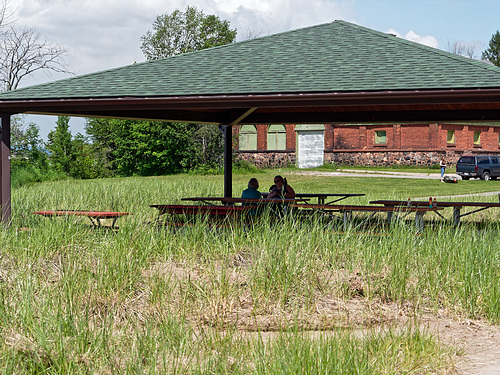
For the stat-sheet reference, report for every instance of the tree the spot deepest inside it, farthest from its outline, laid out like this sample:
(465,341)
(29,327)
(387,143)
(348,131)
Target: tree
(492,53)
(462,48)
(153,148)
(180,32)
(6,12)
(26,145)
(23,52)
(144,147)
(60,146)
(190,31)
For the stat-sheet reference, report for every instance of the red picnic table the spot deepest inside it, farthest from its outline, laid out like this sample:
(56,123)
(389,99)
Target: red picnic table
(457,206)
(94,216)
(348,210)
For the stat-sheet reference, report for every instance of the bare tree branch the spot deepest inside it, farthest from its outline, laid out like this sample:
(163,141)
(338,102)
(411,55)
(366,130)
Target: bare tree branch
(23,52)
(6,12)
(251,33)
(461,48)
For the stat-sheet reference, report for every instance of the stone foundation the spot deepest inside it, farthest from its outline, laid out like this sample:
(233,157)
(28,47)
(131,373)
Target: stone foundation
(393,158)
(269,159)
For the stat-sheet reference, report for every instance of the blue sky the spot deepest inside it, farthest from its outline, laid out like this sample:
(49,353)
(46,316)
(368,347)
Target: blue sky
(445,20)
(106,34)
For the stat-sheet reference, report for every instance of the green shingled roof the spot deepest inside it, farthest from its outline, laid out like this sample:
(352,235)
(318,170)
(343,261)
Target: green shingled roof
(333,57)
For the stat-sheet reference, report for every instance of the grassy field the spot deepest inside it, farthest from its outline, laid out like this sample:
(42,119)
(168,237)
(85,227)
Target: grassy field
(276,297)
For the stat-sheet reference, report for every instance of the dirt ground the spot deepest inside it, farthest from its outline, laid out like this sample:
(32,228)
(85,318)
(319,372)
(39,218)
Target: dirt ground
(478,342)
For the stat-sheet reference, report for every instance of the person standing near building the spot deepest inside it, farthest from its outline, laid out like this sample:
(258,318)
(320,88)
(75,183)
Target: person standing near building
(442,165)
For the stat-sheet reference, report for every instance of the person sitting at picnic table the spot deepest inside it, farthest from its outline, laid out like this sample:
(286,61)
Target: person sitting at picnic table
(252,192)
(280,189)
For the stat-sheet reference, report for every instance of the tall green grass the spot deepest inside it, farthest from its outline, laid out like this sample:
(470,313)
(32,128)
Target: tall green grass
(144,299)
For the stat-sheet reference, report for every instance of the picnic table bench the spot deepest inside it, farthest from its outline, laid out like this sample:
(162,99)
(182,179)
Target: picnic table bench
(457,207)
(181,214)
(188,209)
(347,211)
(95,217)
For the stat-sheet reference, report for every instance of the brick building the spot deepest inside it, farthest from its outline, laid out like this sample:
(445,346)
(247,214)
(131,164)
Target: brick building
(368,144)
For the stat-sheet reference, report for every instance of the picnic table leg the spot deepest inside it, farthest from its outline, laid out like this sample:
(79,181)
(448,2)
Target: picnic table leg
(96,222)
(389,217)
(419,220)
(456,216)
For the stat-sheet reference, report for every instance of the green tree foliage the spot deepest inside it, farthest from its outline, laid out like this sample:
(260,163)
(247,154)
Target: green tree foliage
(180,32)
(492,53)
(29,159)
(208,143)
(155,148)
(60,146)
(144,147)
(74,156)
(26,145)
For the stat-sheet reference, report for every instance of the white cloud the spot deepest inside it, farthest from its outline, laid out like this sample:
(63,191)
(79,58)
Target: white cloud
(427,40)
(106,34)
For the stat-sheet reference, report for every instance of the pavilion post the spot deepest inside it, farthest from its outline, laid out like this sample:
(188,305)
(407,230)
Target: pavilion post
(5,204)
(228,160)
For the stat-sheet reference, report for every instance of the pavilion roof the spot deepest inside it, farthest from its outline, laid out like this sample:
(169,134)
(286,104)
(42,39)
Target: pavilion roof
(335,57)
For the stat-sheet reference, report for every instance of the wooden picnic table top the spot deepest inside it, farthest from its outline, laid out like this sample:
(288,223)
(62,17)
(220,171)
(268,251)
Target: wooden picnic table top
(438,203)
(93,214)
(243,200)
(323,195)
(194,209)
(339,207)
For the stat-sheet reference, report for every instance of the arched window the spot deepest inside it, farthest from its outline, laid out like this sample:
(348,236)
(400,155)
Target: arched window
(248,137)
(276,137)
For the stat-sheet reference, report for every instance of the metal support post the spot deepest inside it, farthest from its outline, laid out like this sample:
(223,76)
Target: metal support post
(5,188)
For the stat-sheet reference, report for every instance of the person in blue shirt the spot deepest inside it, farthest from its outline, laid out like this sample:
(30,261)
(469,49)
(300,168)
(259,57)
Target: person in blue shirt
(252,193)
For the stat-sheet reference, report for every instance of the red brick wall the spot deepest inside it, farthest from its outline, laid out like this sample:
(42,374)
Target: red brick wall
(418,137)
(412,144)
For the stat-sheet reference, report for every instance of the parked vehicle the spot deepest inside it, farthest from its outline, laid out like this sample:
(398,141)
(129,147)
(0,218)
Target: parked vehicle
(485,167)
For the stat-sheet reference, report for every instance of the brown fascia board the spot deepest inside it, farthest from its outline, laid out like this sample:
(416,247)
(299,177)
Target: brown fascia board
(204,102)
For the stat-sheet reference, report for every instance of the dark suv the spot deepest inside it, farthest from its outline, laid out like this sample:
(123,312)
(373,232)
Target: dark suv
(483,167)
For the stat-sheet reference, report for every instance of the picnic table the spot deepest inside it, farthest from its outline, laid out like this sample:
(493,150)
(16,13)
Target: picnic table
(188,209)
(95,216)
(457,206)
(229,201)
(278,206)
(182,214)
(322,197)
(348,210)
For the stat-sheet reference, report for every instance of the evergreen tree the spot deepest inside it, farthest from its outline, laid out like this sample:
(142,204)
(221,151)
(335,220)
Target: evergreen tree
(60,146)
(492,53)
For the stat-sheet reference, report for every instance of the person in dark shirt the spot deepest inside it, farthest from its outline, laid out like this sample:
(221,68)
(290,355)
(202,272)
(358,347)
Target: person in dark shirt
(280,189)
